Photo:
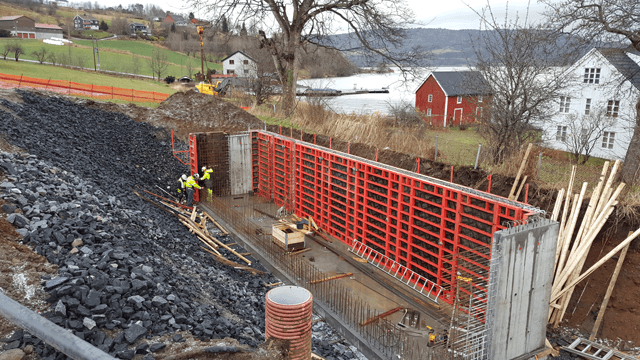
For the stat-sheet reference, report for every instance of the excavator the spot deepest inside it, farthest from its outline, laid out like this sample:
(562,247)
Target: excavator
(219,89)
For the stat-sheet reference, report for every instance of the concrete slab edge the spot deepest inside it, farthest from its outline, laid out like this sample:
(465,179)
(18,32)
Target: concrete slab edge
(331,318)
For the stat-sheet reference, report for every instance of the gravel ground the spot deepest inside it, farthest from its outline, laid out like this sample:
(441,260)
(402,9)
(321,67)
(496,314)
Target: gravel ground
(128,273)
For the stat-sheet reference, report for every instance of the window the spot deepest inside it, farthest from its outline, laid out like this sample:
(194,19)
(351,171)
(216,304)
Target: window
(230,72)
(607,139)
(587,107)
(561,134)
(479,98)
(591,75)
(479,111)
(246,62)
(246,71)
(231,62)
(430,99)
(428,112)
(459,99)
(612,108)
(565,103)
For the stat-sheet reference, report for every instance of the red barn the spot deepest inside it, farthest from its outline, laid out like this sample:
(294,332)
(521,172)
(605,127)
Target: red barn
(453,97)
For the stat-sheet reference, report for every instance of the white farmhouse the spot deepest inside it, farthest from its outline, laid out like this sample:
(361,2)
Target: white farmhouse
(239,64)
(596,115)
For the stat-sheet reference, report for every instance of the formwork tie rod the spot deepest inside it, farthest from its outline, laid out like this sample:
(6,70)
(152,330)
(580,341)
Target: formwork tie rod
(331,278)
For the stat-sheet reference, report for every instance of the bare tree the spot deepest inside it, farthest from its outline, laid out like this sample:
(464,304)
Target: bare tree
(135,65)
(520,63)
(189,66)
(16,49)
(158,63)
(609,21)
(6,49)
(119,26)
(404,113)
(53,58)
(377,26)
(583,133)
(40,55)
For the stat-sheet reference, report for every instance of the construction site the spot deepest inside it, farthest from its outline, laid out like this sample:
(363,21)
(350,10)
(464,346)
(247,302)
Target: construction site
(307,247)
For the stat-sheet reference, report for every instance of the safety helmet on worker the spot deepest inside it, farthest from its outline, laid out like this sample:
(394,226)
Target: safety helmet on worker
(184,177)
(204,168)
(196,176)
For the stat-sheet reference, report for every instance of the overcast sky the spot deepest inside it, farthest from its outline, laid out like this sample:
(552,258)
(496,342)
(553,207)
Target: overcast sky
(447,14)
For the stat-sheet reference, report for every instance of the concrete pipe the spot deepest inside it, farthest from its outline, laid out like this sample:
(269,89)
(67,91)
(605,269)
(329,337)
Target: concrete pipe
(288,316)
(52,334)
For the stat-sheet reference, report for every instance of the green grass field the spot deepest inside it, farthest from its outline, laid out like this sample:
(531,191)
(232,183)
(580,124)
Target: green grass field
(125,56)
(95,34)
(84,77)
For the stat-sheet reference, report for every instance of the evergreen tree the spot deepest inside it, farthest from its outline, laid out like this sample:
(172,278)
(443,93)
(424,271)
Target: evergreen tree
(104,26)
(173,27)
(243,31)
(191,16)
(225,25)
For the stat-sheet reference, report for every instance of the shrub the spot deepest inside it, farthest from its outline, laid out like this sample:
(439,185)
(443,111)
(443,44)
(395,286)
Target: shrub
(5,33)
(169,79)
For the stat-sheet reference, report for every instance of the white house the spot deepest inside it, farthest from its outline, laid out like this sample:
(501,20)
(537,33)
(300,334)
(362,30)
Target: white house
(239,64)
(598,110)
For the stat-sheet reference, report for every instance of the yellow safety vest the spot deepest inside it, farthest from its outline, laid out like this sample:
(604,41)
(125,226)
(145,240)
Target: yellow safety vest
(207,174)
(192,183)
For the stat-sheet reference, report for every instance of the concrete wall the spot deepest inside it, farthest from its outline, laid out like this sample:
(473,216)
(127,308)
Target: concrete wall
(519,289)
(240,164)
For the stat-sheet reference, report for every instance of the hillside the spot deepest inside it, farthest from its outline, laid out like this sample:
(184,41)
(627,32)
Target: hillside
(127,56)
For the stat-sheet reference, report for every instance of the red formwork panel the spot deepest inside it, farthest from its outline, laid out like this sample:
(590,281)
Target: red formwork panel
(417,221)
(272,158)
(193,161)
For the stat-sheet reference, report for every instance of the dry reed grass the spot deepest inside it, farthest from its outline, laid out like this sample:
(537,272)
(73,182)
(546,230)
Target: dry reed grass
(375,130)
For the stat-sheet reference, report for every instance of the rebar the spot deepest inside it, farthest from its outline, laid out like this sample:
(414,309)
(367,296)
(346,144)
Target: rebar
(383,336)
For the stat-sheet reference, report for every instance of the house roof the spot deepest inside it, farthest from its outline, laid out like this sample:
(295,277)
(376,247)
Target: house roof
(175,17)
(623,61)
(137,24)
(455,83)
(13,17)
(195,21)
(48,26)
(87,17)
(249,57)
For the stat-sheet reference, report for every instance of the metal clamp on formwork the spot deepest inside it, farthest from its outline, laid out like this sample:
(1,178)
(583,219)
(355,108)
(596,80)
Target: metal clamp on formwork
(401,273)
(52,334)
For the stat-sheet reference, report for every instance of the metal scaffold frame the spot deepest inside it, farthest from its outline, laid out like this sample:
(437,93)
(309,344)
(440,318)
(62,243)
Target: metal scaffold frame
(416,221)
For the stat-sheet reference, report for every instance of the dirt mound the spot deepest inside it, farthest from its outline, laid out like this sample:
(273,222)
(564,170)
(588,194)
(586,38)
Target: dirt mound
(20,272)
(187,112)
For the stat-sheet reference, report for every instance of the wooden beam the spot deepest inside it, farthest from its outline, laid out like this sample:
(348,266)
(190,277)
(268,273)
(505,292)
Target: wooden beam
(331,278)
(383,315)
(522,166)
(612,284)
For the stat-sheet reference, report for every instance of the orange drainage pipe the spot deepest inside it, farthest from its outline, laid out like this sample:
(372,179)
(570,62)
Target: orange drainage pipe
(288,316)
(331,278)
(383,315)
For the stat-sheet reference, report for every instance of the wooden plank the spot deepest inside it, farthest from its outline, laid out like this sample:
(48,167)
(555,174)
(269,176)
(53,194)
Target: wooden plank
(522,166)
(331,278)
(612,284)
(383,315)
(296,252)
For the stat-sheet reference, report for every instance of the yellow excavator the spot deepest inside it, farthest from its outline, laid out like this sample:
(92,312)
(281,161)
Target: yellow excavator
(219,89)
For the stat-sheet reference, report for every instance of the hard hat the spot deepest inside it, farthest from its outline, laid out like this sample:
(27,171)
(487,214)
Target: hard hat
(184,177)
(196,176)
(204,168)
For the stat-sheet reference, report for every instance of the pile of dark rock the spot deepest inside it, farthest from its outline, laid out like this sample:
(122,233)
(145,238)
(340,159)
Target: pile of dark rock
(124,265)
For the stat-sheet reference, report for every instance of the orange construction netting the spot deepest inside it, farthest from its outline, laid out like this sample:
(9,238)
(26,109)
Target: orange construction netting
(72,88)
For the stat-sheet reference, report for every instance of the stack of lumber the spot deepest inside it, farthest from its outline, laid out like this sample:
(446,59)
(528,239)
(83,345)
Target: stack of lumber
(197,225)
(577,234)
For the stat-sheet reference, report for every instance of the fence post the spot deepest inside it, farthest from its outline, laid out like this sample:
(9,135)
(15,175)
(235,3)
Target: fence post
(451,173)
(153,95)
(46,87)
(112,93)
(349,147)
(418,167)
(280,129)
(489,186)
(69,85)
(477,156)
(526,193)
(91,95)
(376,154)
(539,164)
(330,143)
(314,138)
(435,157)
(300,134)
(131,95)
(20,82)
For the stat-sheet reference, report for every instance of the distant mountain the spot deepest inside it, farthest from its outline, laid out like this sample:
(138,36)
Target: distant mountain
(448,47)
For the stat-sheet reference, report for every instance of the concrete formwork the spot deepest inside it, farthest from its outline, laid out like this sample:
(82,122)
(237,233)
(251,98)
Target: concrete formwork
(519,289)
(240,164)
